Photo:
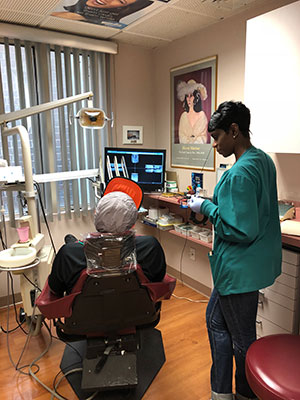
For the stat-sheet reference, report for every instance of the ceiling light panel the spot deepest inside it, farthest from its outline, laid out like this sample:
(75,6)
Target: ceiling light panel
(171,24)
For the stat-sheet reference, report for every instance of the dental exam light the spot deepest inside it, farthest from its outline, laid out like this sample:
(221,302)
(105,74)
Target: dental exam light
(92,118)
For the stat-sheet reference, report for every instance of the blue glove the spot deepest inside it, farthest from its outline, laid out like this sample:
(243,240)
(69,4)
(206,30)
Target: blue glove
(195,203)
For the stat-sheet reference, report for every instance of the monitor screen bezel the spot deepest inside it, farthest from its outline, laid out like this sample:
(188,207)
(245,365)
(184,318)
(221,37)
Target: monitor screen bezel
(145,187)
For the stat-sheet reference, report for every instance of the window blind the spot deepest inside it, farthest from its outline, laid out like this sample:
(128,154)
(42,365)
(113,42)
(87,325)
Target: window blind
(34,73)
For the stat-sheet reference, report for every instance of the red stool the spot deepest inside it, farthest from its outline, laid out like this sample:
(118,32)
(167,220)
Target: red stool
(273,367)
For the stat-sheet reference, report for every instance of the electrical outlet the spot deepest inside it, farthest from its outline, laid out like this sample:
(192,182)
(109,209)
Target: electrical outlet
(192,254)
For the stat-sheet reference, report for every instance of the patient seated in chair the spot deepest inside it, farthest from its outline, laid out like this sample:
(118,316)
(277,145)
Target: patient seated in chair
(114,284)
(115,213)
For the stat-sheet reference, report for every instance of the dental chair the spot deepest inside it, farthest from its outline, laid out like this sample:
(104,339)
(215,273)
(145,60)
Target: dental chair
(110,318)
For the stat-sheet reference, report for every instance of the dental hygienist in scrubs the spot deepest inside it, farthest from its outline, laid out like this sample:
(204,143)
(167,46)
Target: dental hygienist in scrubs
(246,253)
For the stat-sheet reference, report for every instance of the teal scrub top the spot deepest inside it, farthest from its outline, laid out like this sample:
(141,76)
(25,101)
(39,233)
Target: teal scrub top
(247,247)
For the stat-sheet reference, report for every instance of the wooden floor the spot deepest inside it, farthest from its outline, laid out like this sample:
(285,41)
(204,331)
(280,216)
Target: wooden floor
(184,376)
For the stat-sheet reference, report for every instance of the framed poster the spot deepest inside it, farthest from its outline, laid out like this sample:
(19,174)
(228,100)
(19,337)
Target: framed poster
(132,134)
(193,100)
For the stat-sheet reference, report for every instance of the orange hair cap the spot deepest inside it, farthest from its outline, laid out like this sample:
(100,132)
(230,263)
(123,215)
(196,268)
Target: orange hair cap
(127,186)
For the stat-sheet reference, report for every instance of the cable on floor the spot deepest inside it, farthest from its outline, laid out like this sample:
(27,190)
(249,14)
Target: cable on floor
(64,376)
(19,324)
(188,299)
(54,393)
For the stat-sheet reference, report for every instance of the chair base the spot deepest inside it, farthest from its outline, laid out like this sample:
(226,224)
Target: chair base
(150,357)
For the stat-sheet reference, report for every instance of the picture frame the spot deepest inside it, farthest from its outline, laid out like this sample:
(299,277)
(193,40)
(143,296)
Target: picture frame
(132,134)
(193,100)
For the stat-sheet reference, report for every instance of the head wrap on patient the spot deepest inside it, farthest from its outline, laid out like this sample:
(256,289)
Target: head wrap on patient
(116,212)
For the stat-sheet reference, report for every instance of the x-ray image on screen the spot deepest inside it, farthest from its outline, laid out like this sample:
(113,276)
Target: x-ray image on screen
(153,169)
(149,169)
(135,158)
(134,177)
(144,166)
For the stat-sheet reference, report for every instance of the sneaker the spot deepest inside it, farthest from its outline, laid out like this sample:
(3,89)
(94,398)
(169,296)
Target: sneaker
(70,238)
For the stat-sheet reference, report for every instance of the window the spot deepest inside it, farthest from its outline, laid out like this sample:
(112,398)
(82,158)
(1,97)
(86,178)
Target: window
(35,73)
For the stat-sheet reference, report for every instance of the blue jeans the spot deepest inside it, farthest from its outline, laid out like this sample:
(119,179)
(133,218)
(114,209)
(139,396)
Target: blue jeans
(231,325)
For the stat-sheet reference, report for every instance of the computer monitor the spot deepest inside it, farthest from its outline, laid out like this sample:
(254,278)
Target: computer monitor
(144,166)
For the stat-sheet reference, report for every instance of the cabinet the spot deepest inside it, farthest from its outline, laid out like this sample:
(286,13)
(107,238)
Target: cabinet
(278,309)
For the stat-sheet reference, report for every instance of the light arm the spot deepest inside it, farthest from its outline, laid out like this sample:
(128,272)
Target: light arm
(27,112)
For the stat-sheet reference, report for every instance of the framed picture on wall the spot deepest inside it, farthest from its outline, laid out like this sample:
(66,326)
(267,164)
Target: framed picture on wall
(132,134)
(193,100)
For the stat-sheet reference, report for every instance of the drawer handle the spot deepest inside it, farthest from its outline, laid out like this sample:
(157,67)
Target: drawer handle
(261,297)
(259,322)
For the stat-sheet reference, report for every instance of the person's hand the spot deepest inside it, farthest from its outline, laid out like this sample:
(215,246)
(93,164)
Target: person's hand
(195,203)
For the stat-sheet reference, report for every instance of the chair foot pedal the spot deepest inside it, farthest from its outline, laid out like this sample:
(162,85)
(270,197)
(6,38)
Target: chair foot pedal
(118,372)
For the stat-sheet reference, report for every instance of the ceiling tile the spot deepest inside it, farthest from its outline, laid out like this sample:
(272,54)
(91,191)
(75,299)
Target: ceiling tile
(245,3)
(171,24)
(216,10)
(138,40)
(40,7)
(17,17)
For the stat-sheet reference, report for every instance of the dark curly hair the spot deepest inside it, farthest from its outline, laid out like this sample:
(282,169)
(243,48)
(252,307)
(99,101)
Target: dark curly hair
(231,112)
(197,102)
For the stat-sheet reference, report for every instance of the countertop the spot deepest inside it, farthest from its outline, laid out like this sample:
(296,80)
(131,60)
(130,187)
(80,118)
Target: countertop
(287,240)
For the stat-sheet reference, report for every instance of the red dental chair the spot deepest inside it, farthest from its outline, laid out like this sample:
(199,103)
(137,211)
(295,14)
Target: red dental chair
(110,321)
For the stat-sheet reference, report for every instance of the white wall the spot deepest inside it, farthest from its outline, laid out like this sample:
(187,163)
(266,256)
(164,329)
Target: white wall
(134,93)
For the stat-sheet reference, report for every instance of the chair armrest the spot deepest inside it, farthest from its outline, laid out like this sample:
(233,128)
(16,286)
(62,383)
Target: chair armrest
(53,306)
(161,290)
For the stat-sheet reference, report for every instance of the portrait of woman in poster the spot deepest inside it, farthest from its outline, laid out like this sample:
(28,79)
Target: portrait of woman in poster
(193,121)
